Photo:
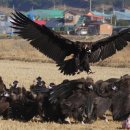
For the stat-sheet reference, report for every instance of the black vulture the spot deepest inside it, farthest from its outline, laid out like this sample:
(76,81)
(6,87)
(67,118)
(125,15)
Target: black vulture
(68,87)
(71,57)
(76,98)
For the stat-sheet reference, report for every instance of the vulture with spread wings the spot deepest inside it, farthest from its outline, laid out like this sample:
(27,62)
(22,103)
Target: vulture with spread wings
(71,57)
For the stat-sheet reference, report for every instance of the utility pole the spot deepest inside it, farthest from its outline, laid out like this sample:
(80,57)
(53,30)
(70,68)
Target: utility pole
(54,2)
(61,2)
(65,7)
(12,30)
(13,8)
(90,6)
(115,19)
(123,4)
(103,20)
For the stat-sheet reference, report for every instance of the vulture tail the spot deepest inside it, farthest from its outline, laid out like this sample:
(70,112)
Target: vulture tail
(69,67)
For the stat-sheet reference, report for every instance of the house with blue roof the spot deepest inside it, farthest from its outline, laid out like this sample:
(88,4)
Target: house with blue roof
(122,15)
(56,24)
(106,16)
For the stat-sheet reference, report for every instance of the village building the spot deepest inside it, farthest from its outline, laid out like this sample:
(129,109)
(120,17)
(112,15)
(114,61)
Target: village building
(105,29)
(41,14)
(71,17)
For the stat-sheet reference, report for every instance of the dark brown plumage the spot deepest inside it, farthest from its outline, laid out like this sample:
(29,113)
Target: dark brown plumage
(58,48)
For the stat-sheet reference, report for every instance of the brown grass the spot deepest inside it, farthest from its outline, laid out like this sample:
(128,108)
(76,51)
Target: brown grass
(26,72)
(19,49)
(98,125)
(6,10)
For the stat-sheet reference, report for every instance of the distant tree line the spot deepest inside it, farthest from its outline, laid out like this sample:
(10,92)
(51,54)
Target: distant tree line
(28,4)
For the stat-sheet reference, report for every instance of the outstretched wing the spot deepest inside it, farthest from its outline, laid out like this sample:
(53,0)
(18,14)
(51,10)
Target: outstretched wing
(42,38)
(64,90)
(106,47)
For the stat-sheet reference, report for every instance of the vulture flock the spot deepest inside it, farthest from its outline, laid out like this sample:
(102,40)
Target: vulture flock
(82,99)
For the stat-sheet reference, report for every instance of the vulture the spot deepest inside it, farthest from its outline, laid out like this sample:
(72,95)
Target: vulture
(71,57)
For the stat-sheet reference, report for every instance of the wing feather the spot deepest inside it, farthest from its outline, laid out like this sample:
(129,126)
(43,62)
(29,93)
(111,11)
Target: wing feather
(45,40)
(106,47)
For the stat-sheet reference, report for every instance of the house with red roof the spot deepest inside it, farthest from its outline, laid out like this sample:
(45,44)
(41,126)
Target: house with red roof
(94,17)
(40,22)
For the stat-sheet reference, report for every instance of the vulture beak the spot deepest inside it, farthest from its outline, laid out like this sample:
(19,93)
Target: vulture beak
(50,87)
(85,47)
(6,95)
(114,88)
(90,87)
(89,51)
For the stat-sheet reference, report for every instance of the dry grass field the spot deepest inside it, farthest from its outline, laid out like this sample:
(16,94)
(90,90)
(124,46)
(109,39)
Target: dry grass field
(19,49)
(26,72)
(15,57)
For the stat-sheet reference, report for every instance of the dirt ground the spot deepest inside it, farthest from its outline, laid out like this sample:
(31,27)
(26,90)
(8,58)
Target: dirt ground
(26,72)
